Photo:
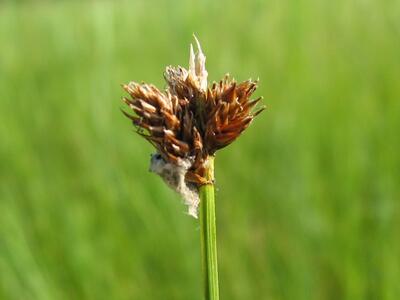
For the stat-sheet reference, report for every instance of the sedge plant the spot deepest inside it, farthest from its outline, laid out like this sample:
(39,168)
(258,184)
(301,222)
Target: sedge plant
(187,123)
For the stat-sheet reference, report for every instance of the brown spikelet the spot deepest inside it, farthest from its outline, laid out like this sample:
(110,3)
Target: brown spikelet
(190,119)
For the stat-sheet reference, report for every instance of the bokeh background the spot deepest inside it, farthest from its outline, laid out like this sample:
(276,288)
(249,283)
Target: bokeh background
(308,197)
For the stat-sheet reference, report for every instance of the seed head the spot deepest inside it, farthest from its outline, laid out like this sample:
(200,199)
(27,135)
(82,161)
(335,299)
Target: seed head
(190,121)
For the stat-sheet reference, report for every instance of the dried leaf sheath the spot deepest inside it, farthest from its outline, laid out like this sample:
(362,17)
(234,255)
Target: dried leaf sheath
(190,121)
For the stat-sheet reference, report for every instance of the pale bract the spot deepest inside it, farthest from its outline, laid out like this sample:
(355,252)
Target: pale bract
(174,176)
(197,66)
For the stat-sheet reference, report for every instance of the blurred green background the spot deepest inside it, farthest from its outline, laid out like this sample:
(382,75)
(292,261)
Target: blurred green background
(308,198)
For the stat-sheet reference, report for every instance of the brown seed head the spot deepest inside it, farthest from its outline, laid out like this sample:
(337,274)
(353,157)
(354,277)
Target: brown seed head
(191,119)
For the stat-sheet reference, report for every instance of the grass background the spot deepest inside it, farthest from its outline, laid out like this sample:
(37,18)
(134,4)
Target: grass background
(308,198)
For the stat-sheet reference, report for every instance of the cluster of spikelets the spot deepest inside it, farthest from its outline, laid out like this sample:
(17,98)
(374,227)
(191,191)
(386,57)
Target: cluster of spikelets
(190,120)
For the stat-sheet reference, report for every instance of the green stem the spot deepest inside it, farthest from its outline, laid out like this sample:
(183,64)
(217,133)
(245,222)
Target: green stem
(209,235)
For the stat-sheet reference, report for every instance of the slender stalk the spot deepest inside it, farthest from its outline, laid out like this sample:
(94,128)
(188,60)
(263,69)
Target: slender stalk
(209,235)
